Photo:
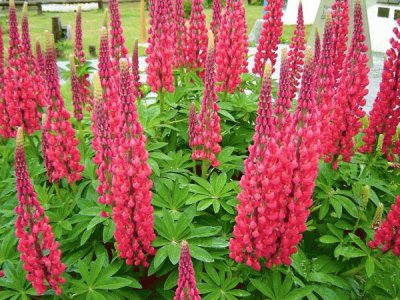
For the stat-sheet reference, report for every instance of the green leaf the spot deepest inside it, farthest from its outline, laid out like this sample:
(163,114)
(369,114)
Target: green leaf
(330,279)
(329,239)
(348,205)
(160,256)
(112,283)
(212,273)
(172,280)
(299,293)
(350,252)
(263,288)
(174,253)
(200,254)
(369,266)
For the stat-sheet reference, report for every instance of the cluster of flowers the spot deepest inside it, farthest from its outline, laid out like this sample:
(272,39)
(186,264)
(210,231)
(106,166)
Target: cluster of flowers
(173,44)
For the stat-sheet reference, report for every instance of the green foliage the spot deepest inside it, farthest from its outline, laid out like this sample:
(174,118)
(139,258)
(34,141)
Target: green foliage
(333,260)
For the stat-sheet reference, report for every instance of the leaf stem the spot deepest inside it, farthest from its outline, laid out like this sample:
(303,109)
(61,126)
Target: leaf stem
(204,168)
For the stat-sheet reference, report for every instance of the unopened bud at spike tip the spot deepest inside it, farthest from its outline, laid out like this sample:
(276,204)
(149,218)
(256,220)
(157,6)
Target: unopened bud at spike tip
(123,64)
(25,10)
(49,40)
(98,91)
(19,141)
(365,195)
(328,16)
(12,4)
(284,53)
(267,69)
(309,55)
(210,40)
(105,18)
(184,243)
(79,9)
(376,223)
(103,33)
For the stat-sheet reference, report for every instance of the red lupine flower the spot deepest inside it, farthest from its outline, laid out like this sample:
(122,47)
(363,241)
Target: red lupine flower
(255,209)
(108,82)
(388,235)
(23,91)
(135,70)
(40,59)
(181,35)
(62,152)
(4,118)
(216,19)
(207,134)
(340,25)
(160,51)
(38,250)
(197,37)
(102,143)
(295,58)
(317,47)
(232,47)
(76,96)
(186,289)
(131,185)
(351,92)
(326,86)
(270,35)
(384,117)
(84,96)
(306,137)
(118,49)
(193,123)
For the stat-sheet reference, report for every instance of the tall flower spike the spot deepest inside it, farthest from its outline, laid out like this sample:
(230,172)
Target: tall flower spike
(208,130)
(340,24)
(40,59)
(296,53)
(181,35)
(108,82)
(135,70)
(255,213)
(216,19)
(326,86)
(232,48)
(84,96)
(351,92)
(62,152)
(76,99)
(317,47)
(160,51)
(118,49)
(270,34)
(102,143)
(384,115)
(197,37)
(4,118)
(306,139)
(388,235)
(23,93)
(186,281)
(39,252)
(131,184)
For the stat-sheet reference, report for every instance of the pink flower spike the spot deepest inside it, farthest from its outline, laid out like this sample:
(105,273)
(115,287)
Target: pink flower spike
(215,24)
(181,35)
(131,184)
(4,118)
(186,289)
(118,49)
(271,32)
(62,153)
(207,137)
(39,252)
(76,96)
(135,70)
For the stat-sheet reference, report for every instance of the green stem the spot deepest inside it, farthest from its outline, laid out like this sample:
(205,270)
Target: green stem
(32,143)
(194,167)
(353,271)
(161,100)
(81,138)
(204,168)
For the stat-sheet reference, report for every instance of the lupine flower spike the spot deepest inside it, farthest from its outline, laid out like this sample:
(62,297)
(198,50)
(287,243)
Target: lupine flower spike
(215,24)
(108,82)
(351,92)
(135,70)
(186,289)
(181,35)
(384,115)
(76,96)
(62,153)
(39,252)
(160,51)
(270,34)
(295,58)
(206,143)
(118,49)
(40,59)
(232,48)
(102,143)
(197,38)
(23,91)
(317,47)
(131,185)
(257,212)
(84,96)
(4,119)
(387,236)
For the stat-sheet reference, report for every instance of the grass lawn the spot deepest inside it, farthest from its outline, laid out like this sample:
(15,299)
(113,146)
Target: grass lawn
(92,21)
